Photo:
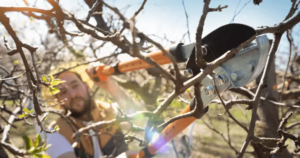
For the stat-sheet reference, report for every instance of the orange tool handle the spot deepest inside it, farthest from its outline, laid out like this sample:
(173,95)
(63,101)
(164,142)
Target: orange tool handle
(103,72)
(167,135)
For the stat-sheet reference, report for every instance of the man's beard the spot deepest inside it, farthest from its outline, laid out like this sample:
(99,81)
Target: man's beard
(86,106)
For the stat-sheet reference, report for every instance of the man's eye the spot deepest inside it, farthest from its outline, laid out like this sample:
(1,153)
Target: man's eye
(75,86)
(63,92)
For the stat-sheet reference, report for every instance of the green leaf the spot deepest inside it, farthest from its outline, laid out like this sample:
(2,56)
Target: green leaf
(44,78)
(28,142)
(54,90)
(57,82)
(48,146)
(37,141)
(32,151)
(26,110)
(16,62)
(45,116)
(56,128)
(21,116)
(51,78)
(31,111)
(188,90)
(36,150)
(41,156)
(43,146)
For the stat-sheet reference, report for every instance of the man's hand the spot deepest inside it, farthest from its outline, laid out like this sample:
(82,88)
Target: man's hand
(119,95)
(102,84)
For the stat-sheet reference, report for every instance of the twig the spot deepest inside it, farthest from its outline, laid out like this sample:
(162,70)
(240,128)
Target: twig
(289,37)
(14,126)
(128,24)
(280,28)
(284,135)
(217,9)
(178,82)
(153,63)
(11,78)
(183,100)
(293,9)
(292,125)
(237,13)
(92,10)
(30,79)
(284,121)
(14,150)
(227,111)
(219,133)
(12,117)
(162,107)
(290,94)
(249,94)
(187,21)
(29,9)
(198,48)
(230,103)
(139,10)
(93,32)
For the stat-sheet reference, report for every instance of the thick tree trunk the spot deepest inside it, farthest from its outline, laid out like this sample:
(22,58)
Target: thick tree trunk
(268,119)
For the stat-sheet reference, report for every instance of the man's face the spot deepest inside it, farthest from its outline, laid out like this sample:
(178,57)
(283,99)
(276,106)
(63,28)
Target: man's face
(74,93)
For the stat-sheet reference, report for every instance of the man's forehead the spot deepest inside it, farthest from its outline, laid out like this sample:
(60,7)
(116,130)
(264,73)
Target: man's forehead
(68,77)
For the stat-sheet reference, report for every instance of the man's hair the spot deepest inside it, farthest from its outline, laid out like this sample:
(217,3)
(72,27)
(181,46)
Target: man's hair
(70,72)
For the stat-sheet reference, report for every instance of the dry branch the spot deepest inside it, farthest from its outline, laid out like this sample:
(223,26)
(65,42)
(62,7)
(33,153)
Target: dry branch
(219,9)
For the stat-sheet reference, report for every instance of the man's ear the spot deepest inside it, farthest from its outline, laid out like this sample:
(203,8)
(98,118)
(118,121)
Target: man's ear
(87,86)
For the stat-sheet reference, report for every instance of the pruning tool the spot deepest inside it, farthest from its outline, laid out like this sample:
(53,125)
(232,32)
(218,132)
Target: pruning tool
(236,72)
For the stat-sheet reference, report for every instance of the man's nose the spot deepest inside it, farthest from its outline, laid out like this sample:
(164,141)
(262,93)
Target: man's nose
(72,93)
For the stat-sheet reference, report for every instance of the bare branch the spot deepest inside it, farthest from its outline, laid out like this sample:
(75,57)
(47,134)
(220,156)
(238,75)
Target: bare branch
(227,111)
(139,10)
(223,137)
(198,48)
(289,37)
(280,28)
(219,9)
(24,9)
(293,9)
(187,21)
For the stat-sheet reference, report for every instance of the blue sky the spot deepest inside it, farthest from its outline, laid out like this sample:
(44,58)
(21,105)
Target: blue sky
(167,17)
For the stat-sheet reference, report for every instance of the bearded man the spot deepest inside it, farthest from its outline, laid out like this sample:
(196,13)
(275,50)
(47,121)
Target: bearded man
(84,111)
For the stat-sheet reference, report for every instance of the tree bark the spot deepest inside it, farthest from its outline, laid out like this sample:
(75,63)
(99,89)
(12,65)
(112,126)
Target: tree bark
(268,118)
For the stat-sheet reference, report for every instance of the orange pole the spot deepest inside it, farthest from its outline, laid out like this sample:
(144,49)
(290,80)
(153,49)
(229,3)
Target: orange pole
(134,64)
(137,63)
(167,134)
